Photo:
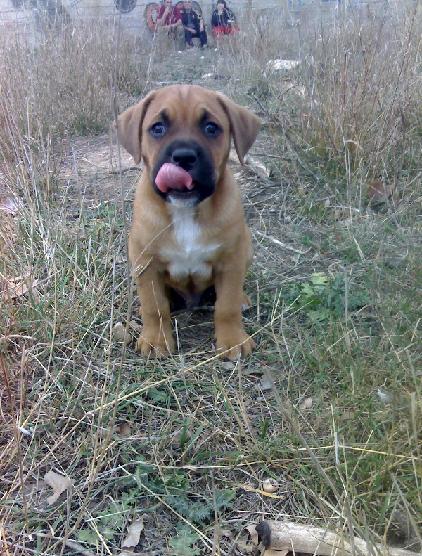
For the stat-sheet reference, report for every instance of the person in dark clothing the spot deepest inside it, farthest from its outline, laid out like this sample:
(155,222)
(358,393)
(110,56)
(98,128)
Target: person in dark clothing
(193,25)
(222,20)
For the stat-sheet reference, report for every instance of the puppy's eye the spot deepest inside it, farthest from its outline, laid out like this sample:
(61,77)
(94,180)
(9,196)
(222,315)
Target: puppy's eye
(211,129)
(158,129)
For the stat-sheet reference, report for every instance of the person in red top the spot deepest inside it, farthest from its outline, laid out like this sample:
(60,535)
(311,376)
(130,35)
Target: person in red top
(223,21)
(169,16)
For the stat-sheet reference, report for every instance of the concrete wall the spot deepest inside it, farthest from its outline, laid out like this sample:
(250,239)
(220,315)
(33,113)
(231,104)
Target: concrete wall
(134,21)
(82,10)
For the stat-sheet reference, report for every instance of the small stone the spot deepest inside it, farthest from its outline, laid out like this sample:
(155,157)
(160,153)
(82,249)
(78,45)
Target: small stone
(228,365)
(266,384)
(306,404)
(270,485)
(384,397)
(120,333)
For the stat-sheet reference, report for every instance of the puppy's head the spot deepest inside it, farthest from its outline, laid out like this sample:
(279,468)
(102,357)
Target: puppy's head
(183,134)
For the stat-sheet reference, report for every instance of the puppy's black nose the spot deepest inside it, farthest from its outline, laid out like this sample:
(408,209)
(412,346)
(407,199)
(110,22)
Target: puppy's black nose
(184,157)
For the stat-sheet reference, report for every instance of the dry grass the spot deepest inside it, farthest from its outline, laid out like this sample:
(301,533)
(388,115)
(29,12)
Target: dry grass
(330,403)
(353,107)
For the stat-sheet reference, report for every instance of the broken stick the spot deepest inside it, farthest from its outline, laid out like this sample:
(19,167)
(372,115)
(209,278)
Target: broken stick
(294,537)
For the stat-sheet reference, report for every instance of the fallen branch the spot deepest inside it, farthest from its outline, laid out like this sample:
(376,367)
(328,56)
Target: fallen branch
(128,169)
(78,548)
(294,537)
(280,244)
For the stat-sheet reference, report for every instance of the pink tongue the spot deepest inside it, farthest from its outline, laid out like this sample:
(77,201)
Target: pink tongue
(171,176)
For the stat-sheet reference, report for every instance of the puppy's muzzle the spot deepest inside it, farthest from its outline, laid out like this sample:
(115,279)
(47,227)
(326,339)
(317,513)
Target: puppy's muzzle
(194,159)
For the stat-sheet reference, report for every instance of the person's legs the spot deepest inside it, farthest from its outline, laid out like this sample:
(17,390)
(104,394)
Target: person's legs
(218,31)
(188,37)
(203,38)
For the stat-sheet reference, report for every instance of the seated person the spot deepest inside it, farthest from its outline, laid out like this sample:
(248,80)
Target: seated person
(169,17)
(222,20)
(193,25)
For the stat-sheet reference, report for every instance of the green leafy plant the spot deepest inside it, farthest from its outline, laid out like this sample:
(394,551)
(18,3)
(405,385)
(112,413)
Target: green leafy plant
(184,543)
(111,520)
(173,488)
(200,511)
(323,298)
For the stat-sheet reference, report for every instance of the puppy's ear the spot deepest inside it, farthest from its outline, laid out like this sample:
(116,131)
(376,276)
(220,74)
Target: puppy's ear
(129,127)
(244,125)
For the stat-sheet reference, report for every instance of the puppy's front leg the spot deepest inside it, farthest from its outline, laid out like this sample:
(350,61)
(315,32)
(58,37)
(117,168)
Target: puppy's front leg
(231,336)
(156,332)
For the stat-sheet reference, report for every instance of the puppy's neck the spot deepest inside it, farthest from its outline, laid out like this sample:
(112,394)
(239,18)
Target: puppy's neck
(185,226)
(175,205)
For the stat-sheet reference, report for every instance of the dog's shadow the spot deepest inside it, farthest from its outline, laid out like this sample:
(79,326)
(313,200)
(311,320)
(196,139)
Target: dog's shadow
(197,302)
(193,320)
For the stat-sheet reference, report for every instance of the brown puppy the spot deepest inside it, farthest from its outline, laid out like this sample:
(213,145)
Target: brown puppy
(188,230)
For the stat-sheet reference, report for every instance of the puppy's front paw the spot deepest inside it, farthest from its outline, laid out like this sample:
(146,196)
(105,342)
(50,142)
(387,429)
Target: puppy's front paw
(157,345)
(235,343)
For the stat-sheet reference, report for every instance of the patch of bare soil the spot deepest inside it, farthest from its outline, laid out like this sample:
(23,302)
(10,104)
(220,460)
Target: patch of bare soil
(95,170)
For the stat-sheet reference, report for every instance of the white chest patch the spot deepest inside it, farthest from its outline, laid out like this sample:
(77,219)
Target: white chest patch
(191,256)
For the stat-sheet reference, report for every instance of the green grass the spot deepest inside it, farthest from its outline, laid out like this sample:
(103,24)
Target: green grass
(196,428)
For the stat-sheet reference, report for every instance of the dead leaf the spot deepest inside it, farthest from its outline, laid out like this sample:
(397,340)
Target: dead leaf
(13,288)
(258,167)
(36,295)
(9,205)
(306,404)
(251,529)
(8,224)
(378,191)
(123,429)
(59,483)
(134,532)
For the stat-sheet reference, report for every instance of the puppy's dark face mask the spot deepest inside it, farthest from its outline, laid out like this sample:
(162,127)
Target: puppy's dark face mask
(183,134)
(184,172)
